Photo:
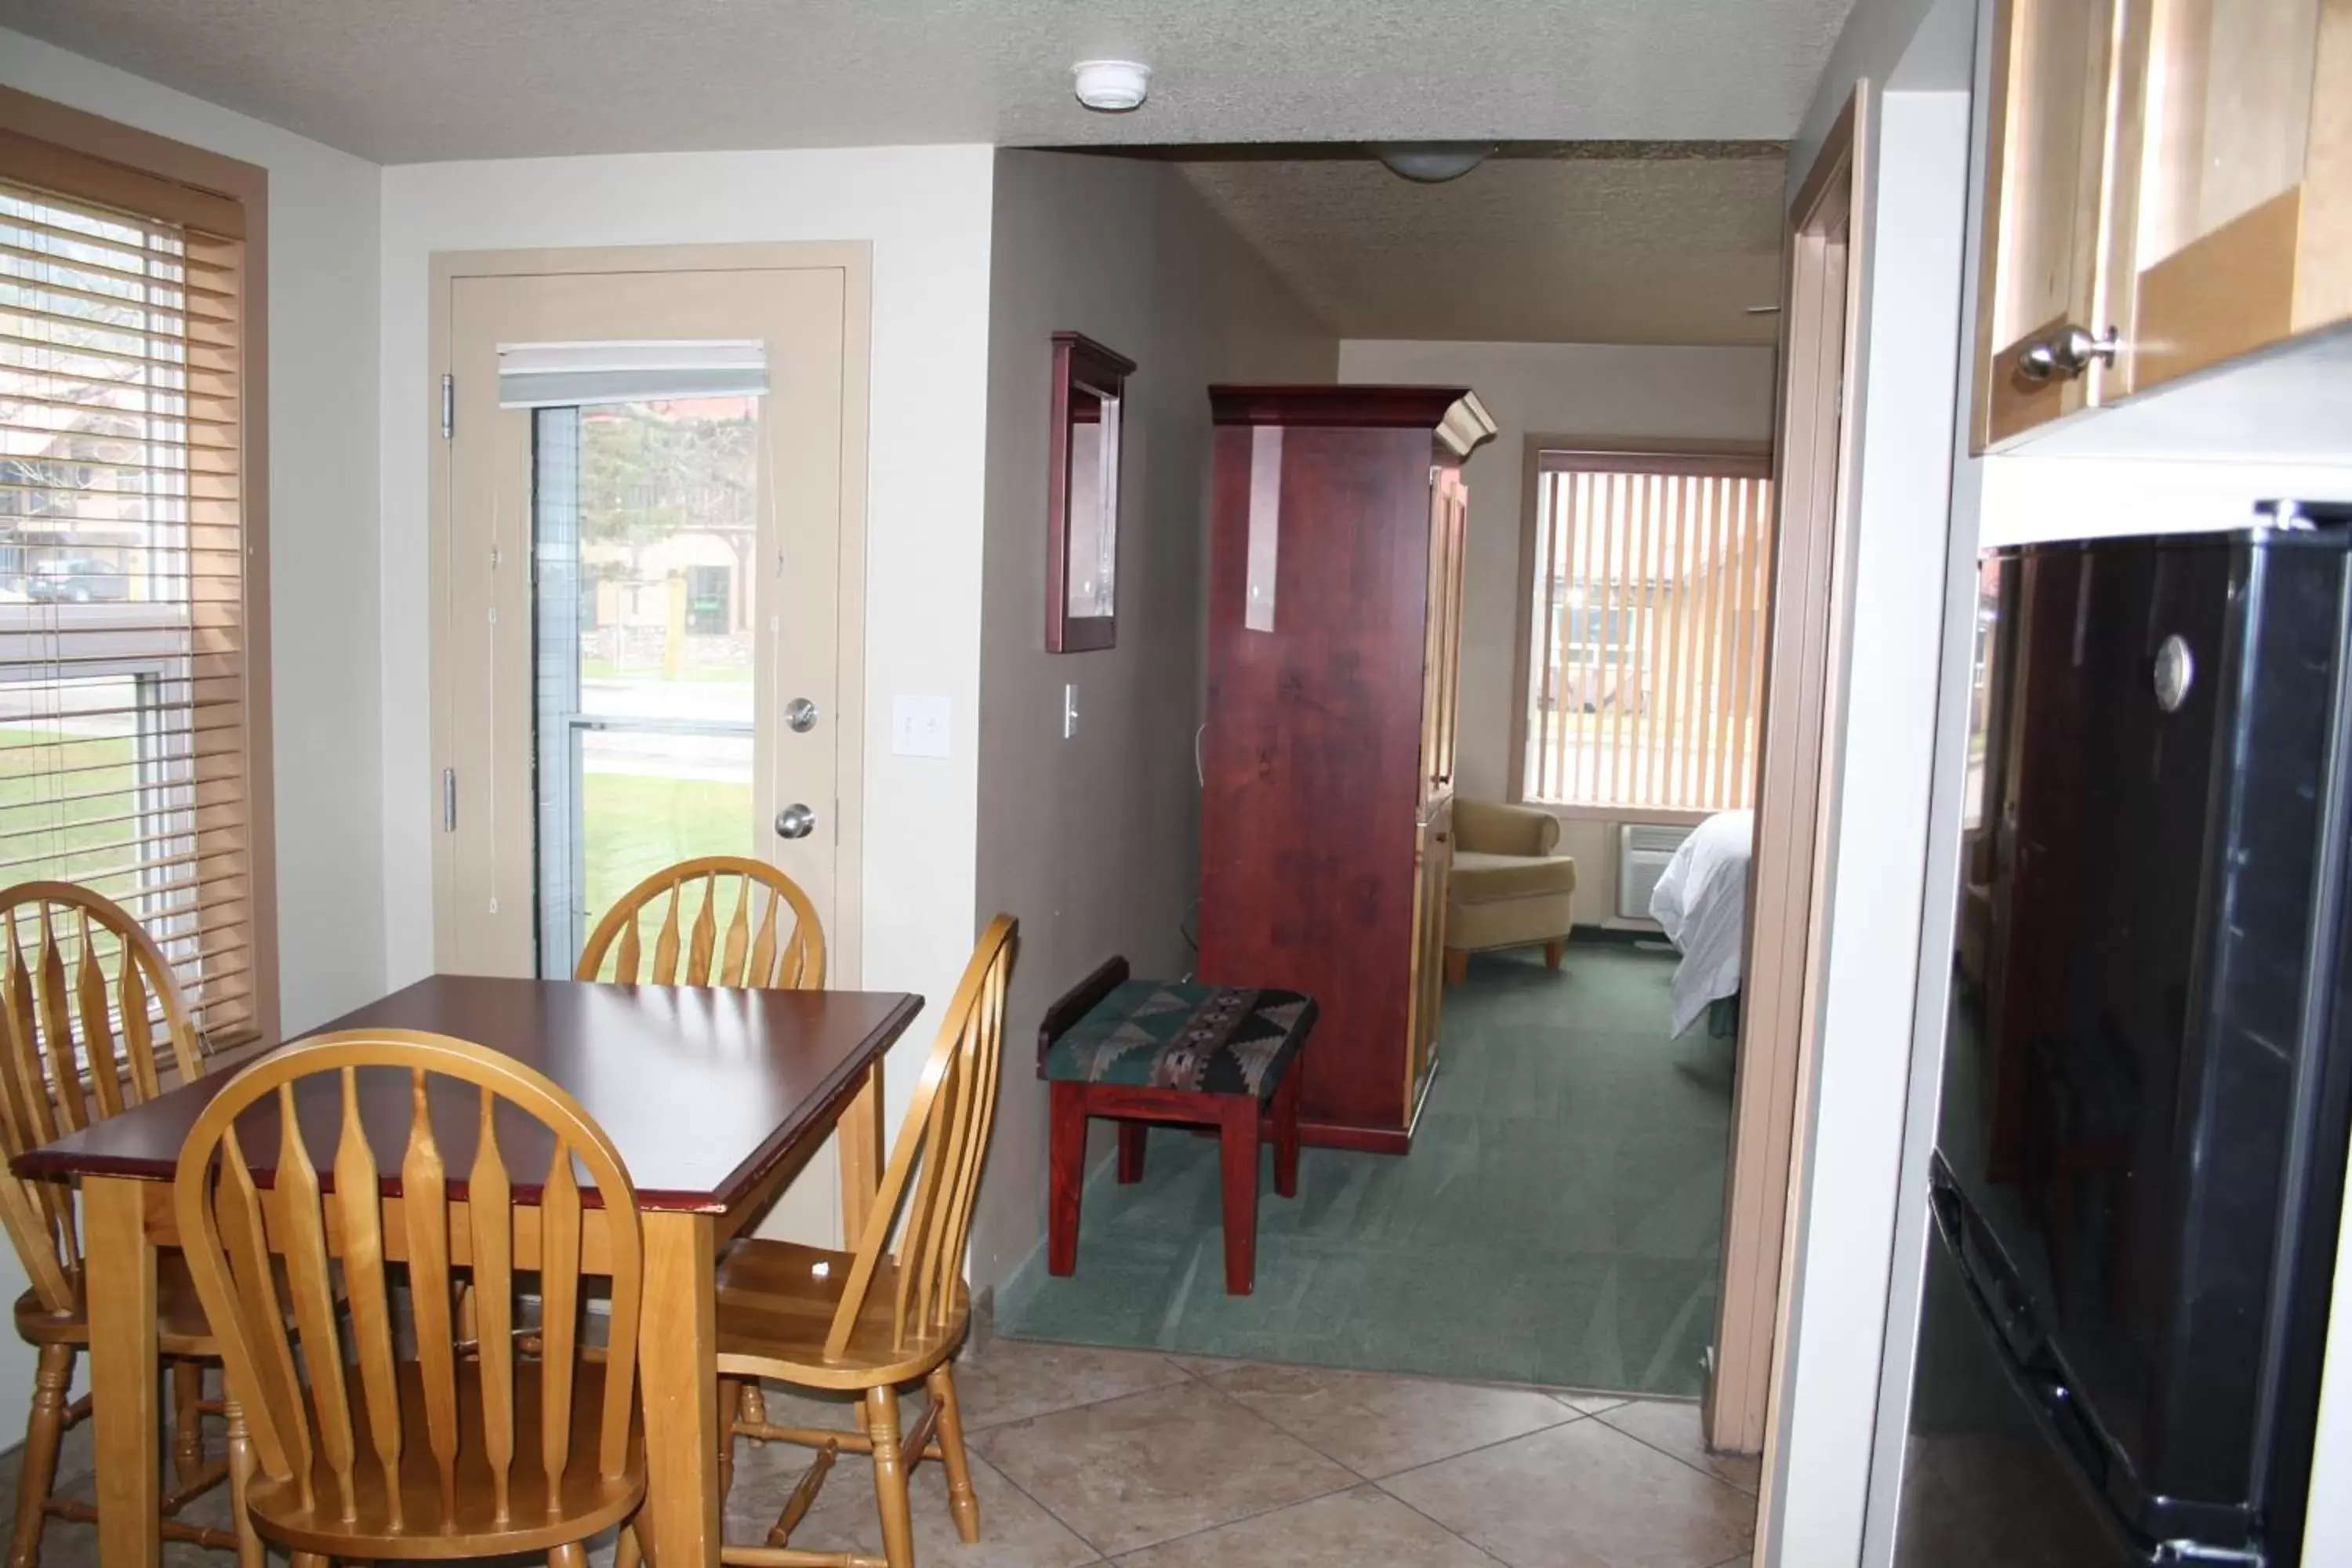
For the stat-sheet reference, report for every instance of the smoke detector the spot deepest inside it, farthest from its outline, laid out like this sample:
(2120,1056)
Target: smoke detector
(1111,87)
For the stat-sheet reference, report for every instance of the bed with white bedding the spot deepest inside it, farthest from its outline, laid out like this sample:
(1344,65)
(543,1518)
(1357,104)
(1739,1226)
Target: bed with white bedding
(1702,902)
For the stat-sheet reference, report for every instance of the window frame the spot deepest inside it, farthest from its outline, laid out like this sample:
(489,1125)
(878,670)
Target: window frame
(78,154)
(1736,458)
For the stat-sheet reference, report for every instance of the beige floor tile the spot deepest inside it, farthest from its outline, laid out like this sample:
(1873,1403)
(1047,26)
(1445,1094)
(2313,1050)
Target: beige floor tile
(1377,1426)
(1582,1495)
(1133,1472)
(1210,1365)
(1013,1380)
(1675,1428)
(1365,1528)
(1014,1532)
(1590,1403)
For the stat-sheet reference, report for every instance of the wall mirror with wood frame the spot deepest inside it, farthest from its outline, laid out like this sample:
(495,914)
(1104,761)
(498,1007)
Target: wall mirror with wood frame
(1082,495)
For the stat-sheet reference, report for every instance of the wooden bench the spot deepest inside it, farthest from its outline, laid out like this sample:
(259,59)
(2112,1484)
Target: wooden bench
(1141,1051)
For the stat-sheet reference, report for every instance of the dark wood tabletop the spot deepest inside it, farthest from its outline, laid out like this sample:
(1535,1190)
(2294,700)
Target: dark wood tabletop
(702,1090)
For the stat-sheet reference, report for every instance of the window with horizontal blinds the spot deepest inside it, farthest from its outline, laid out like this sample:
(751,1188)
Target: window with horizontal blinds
(1646,643)
(125,732)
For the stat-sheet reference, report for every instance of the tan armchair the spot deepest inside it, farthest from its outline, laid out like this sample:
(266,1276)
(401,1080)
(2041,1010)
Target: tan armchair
(1507,888)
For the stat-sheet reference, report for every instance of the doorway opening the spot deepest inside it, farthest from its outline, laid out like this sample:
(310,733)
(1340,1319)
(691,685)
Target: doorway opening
(1594,1195)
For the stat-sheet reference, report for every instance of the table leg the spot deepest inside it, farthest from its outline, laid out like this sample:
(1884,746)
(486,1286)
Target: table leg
(123,1375)
(678,1372)
(860,1131)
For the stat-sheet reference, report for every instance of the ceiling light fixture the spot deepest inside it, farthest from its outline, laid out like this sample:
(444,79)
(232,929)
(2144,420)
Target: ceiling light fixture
(1432,162)
(1111,87)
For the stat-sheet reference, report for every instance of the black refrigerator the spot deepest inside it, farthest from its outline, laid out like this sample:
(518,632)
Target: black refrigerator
(2148,1080)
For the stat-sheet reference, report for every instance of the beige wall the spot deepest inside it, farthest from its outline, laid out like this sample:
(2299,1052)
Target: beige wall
(1594,391)
(1092,842)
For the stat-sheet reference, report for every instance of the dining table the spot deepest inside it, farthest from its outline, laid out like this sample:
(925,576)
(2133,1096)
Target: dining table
(715,1098)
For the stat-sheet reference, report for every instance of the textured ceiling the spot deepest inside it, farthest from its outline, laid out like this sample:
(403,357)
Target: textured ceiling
(1663,248)
(411,80)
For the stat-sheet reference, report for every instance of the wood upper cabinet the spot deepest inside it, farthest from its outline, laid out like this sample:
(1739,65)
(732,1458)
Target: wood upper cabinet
(2042,274)
(2169,189)
(2237,221)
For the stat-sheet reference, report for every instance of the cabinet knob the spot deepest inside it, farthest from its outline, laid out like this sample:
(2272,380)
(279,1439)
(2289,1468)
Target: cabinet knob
(2068,353)
(2075,348)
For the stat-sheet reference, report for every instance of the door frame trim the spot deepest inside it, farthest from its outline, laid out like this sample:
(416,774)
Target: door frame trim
(853,259)
(1814,525)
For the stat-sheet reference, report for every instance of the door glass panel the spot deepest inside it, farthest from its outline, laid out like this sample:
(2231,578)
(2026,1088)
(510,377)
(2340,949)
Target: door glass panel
(646,521)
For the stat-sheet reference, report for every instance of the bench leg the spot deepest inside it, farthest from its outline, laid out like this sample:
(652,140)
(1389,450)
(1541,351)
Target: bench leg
(1285,1133)
(1238,1151)
(1131,1149)
(1067,1145)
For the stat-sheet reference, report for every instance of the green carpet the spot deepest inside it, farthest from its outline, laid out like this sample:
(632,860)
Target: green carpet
(1558,1222)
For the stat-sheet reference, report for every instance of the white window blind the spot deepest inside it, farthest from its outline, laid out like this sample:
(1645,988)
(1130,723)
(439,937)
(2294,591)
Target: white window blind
(125,756)
(1646,651)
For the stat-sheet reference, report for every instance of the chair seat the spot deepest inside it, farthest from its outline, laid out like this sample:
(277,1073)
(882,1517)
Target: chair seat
(1480,877)
(180,1326)
(776,1301)
(463,1516)
(1168,1034)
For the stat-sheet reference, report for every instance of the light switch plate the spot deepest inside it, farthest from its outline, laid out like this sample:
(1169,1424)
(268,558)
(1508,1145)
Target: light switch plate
(918,725)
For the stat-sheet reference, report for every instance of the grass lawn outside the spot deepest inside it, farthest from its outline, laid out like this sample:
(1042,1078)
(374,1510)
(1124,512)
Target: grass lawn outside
(636,824)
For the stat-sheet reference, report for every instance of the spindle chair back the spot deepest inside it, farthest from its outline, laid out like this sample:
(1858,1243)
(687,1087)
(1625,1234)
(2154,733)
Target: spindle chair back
(358,1448)
(772,936)
(92,1023)
(84,994)
(893,1311)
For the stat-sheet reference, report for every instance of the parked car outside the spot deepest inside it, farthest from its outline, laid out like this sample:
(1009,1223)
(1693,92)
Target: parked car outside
(77,579)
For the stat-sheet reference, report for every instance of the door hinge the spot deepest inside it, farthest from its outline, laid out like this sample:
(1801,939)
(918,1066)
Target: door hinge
(448,800)
(448,407)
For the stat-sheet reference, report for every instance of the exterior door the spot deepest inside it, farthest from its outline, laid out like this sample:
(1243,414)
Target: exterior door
(638,654)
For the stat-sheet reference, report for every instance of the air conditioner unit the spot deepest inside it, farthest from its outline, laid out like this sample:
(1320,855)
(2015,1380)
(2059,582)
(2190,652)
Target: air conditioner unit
(1642,850)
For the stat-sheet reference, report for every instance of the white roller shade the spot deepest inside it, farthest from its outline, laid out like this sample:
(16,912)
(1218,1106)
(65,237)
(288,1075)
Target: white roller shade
(559,376)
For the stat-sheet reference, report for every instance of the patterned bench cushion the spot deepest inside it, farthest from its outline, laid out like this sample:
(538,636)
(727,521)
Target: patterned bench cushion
(1171,1034)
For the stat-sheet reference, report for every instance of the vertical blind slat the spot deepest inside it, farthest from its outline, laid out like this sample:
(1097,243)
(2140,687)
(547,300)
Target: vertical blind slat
(1647,646)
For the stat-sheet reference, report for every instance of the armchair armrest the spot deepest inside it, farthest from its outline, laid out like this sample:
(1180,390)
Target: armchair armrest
(1489,827)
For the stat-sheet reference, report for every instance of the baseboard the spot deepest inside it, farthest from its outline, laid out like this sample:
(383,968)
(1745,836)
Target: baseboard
(1363,1140)
(1621,936)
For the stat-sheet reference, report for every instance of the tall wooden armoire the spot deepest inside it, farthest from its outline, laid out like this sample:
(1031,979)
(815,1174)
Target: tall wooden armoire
(1327,758)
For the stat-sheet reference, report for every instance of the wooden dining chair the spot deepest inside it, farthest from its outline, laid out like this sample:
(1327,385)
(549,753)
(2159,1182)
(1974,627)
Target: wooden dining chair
(893,1311)
(781,949)
(773,939)
(438,1447)
(85,994)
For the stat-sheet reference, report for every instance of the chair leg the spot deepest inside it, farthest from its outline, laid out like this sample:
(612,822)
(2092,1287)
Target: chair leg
(961,1500)
(570,1555)
(626,1551)
(1457,966)
(731,1403)
(755,1404)
(187,1424)
(1553,951)
(1132,1135)
(36,1473)
(250,1552)
(1285,1133)
(1238,1151)
(1068,1155)
(890,1477)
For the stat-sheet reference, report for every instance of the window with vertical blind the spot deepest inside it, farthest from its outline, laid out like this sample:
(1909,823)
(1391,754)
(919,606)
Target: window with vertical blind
(1645,656)
(130,746)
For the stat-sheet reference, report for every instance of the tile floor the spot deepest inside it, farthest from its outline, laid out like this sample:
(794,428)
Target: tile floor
(1086,1456)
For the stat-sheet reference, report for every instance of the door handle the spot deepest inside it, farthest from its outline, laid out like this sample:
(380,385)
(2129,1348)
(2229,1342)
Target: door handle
(795,821)
(800,715)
